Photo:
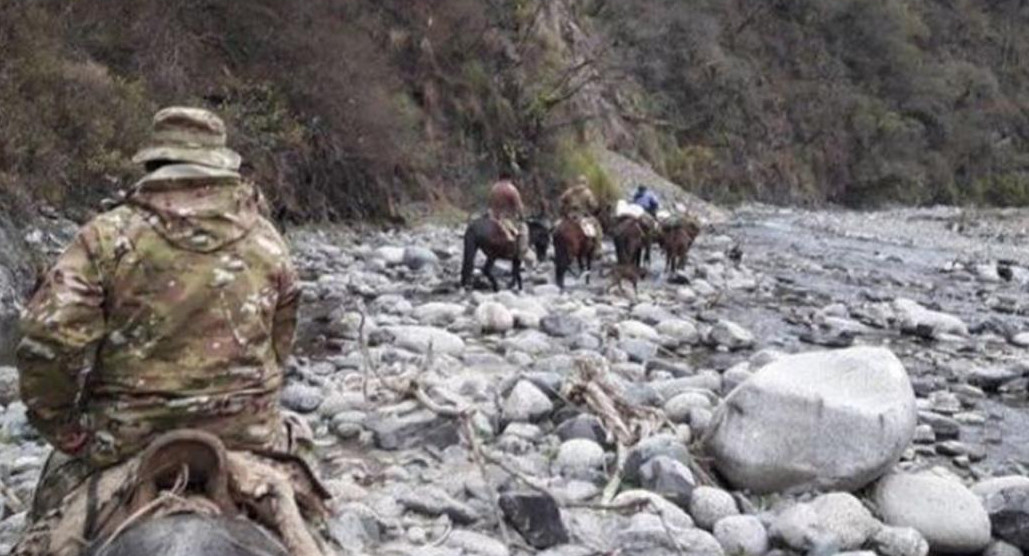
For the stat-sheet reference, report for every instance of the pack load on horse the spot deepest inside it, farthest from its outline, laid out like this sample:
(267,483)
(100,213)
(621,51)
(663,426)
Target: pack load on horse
(678,232)
(499,235)
(152,361)
(626,213)
(577,236)
(646,199)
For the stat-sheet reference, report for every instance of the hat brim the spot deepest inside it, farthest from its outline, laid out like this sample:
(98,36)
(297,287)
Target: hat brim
(215,157)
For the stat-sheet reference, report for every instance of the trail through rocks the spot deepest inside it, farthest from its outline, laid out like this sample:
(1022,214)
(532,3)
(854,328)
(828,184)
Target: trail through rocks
(592,421)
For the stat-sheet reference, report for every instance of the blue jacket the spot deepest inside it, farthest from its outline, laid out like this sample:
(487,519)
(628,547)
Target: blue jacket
(647,200)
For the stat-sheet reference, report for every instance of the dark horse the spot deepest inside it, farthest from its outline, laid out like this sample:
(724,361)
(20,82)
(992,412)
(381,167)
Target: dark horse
(572,244)
(485,233)
(539,237)
(676,241)
(192,465)
(192,535)
(631,239)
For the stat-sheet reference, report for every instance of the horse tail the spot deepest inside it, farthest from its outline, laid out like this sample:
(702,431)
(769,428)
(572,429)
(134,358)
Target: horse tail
(468,263)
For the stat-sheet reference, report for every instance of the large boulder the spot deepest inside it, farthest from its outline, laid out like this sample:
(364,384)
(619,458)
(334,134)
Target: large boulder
(834,420)
(948,515)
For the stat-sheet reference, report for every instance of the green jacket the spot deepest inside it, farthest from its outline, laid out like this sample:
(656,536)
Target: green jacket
(176,309)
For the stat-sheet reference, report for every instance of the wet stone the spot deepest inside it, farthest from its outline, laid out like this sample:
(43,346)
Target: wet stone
(536,517)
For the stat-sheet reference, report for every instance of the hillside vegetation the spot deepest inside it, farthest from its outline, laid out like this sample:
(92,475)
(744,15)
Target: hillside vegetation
(352,108)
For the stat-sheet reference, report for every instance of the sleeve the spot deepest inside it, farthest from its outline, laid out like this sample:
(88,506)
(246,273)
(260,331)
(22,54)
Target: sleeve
(61,327)
(284,325)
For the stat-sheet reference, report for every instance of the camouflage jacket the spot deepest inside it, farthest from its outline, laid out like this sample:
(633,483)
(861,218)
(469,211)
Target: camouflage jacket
(174,310)
(578,201)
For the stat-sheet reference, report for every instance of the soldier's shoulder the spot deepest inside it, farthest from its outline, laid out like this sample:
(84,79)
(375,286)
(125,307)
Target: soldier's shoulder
(117,221)
(265,234)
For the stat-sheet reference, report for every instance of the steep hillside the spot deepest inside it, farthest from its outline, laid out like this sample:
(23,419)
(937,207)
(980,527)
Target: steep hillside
(352,109)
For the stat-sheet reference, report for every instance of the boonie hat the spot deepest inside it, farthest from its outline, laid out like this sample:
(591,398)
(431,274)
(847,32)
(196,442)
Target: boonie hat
(183,134)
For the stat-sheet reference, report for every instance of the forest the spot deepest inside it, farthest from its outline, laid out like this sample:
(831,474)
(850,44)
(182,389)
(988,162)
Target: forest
(355,109)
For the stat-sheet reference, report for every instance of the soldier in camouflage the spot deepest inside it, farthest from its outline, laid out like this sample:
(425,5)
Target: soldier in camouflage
(175,310)
(580,204)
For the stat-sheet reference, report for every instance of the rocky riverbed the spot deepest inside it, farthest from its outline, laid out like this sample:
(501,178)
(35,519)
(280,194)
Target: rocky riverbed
(679,420)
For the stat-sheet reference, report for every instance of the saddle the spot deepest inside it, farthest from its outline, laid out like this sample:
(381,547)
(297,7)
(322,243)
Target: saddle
(186,471)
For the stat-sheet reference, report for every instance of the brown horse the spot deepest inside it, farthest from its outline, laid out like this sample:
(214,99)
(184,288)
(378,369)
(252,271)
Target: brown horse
(630,237)
(486,234)
(572,244)
(676,240)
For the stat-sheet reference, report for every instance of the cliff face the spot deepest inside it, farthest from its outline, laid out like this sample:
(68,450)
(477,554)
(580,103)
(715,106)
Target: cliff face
(353,109)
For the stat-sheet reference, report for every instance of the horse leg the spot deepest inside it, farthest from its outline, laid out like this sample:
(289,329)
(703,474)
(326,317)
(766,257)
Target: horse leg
(487,271)
(561,262)
(516,273)
(468,264)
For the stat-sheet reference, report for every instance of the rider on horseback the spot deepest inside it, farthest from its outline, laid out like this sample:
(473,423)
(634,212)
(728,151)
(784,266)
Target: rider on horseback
(506,208)
(579,204)
(175,310)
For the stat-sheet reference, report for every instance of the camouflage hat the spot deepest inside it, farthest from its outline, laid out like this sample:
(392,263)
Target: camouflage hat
(193,135)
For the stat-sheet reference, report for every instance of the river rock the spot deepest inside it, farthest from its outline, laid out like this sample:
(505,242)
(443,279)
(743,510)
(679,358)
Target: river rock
(585,425)
(1001,548)
(494,318)
(391,255)
(658,445)
(579,459)
(8,385)
(471,543)
(434,501)
(845,518)
(730,335)
(437,313)
(708,505)
(669,478)
(986,487)
(742,535)
(561,325)
(946,513)
(637,329)
(916,319)
(417,258)
(650,313)
(302,398)
(1008,509)
(526,403)
(536,518)
(419,338)
(681,331)
(678,408)
(647,535)
(900,541)
(832,420)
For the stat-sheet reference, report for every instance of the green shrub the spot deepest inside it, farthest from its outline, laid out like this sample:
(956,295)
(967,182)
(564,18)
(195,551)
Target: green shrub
(573,159)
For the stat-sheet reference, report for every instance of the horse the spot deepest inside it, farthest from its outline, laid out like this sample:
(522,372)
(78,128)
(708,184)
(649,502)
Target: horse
(192,534)
(539,237)
(178,498)
(651,234)
(676,241)
(486,234)
(572,244)
(630,238)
